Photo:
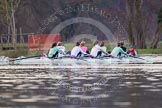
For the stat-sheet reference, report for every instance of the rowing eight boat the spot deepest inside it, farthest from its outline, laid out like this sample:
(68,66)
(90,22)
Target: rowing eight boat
(37,60)
(85,61)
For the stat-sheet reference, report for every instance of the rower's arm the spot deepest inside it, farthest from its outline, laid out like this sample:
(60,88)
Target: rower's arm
(82,51)
(122,51)
(136,54)
(103,51)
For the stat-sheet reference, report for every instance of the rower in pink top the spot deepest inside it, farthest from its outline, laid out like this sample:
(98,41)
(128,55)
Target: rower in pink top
(83,47)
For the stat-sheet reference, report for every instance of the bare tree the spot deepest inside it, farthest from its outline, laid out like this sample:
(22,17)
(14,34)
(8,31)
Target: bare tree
(135,23)
(129,9)
(8,9)
(158,31)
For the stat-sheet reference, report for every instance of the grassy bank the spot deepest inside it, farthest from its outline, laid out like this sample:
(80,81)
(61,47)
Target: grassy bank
(111,46)
(23,51)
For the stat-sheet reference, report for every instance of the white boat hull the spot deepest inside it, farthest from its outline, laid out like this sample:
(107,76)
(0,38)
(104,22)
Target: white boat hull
(85,61)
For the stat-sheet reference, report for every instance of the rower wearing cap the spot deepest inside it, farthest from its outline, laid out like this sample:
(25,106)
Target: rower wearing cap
(131,51)
(97,50)
(53,52)
(77,51)
(118,51)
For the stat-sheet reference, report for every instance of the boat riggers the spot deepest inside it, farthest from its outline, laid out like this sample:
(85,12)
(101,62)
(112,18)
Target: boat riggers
(84,60)
(82,56)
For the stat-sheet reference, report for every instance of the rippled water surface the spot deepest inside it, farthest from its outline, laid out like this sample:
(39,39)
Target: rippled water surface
(81,87)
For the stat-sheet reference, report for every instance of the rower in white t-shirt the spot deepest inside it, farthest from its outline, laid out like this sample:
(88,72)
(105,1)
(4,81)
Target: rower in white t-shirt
(97,50)
(62,50)
(77,51)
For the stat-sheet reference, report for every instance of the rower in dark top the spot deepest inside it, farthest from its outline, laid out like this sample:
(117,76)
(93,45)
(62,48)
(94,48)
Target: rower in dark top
(122,46)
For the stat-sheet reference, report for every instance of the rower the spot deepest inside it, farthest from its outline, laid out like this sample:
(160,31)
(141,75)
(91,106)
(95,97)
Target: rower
(122,46)
(77,51)
(83,47)
(131,51)
(102,45)
(53,52)
(97,50)
(118,51)
(61,48)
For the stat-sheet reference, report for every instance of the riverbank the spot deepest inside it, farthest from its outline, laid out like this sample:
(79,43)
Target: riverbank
(22,50)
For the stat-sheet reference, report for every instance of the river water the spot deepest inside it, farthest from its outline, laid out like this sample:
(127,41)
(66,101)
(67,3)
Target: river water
(86,87)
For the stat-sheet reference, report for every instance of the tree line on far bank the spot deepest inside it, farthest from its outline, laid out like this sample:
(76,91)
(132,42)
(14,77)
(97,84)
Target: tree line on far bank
(136,22)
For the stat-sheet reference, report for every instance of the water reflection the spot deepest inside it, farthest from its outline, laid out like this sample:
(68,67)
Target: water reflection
(84,87)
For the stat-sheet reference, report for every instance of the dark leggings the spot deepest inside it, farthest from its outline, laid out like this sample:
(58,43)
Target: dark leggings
(99,54)
(79,54)
(55,55)
(119,54)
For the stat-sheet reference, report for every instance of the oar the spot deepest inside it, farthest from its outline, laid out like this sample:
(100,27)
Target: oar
(137,57)
(110,56)
(26,57)
(148,60)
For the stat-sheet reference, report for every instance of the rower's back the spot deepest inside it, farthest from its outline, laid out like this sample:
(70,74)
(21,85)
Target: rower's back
(117,50)
(95,49)
(83,47)
(53,52)
(62,50)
